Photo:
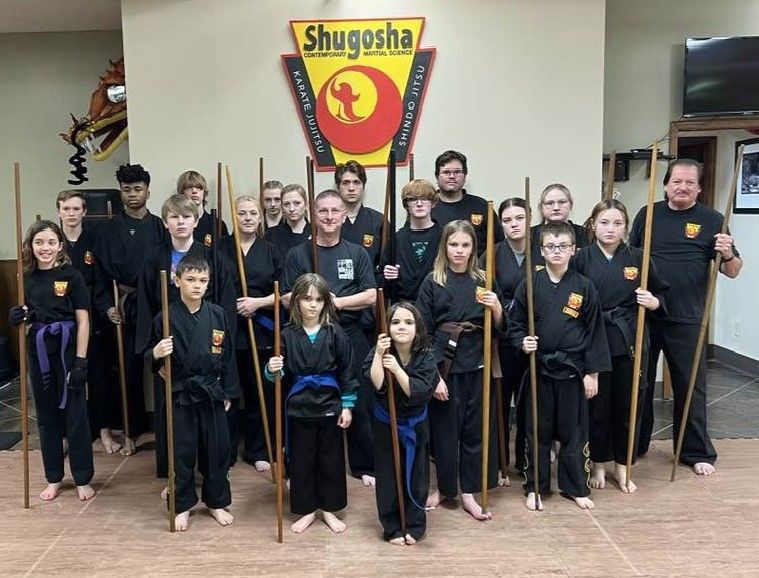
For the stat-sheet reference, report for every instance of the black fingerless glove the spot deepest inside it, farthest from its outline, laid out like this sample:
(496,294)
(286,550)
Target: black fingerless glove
(16,315)
(78,375)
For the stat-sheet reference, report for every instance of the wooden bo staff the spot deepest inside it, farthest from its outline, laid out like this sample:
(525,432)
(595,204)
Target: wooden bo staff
(171,487)
(120,352)
(22,368)
(279,465)
(387,242)
(215,236)
(261,184)
(610,170)
(640,328)
(411,167)
(312,213)
(390,385)
(249,322)
(533,354)
(503,440)
(218,224)
(711,289)
(488,361)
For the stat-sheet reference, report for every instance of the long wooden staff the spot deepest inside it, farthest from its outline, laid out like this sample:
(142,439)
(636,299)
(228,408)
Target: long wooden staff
(120,353)
(411,167)
(532,356)
(387,243)
(488,361)
(312,212)
(390,384)
(711,289)
(261,183)
(610,170)
(279,466)
(503,440)
(22,369)
(171,487)
(218,223)
(641,326)
(249,322)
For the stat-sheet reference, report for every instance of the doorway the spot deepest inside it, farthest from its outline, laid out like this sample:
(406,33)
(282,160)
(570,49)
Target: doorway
(704,150)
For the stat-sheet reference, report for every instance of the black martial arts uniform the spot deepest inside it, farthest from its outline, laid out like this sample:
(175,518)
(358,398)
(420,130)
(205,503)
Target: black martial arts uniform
(348,271)
(53,296)
(581,240)
(616,280)
(284,238)
(571,344)
(414,444)
(263,266)
(120,250)
(365,230)
(320,381)
(470,208)
(456,424)
(682,246)
(204,233)
(202,377)
(415,251)
(220,291)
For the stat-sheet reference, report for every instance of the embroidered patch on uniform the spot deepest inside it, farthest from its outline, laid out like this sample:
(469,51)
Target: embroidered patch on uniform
(215,350)
(692,230)
(89,258)
(208,240)
(571,312)
(218,337)
(539,268)
(368,240)
(60,288)
(345,269)
(574,301)
(479,292)
(631,273)
(476,219)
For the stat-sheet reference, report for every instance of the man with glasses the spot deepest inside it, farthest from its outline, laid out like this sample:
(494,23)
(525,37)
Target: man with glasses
(455,203)
(685,238)
(350,276)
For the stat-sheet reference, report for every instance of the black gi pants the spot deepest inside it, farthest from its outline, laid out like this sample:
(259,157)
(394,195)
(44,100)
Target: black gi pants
(514,363)
(317,465)
(456,427)
(200,433)
(359,434)
(104,402)
(562,412)
(386,493)
(678,342)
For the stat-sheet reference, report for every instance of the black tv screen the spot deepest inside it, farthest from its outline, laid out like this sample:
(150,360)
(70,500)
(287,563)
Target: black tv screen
(721,76)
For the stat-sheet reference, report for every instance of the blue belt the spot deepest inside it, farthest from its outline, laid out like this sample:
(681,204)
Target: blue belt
(302,382)
(64,328)
(407,434)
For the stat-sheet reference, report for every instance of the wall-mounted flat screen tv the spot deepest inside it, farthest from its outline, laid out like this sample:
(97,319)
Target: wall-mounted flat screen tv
(721,76)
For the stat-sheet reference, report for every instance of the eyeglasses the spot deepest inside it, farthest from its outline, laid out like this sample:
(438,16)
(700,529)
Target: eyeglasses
(561,248)
(329,212)
(410,200)
(559,203)
(452,173)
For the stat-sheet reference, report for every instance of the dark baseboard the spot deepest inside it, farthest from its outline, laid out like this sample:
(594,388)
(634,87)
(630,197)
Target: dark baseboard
(736,360)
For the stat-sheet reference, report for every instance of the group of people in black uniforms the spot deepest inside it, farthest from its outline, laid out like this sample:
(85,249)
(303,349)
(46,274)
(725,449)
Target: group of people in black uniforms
(333,361)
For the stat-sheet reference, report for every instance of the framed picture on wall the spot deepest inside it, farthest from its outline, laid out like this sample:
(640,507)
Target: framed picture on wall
(747,195)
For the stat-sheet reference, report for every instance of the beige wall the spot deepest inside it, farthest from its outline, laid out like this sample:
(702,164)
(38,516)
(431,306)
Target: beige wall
(645,43)
(43,78)
(206,85)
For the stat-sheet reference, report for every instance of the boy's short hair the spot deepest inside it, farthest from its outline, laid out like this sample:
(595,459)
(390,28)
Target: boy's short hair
(192,263)
(64,196)
(557,228)
(128,174)
(272,185)
(179,205)
(354,167)
(418,189)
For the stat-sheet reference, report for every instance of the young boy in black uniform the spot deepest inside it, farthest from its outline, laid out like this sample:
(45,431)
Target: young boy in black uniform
(203,383)
(571,348)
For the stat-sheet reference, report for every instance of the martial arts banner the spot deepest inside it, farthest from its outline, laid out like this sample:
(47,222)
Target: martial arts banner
(358,87)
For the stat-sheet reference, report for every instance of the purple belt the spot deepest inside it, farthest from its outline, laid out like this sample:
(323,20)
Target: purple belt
(64,329)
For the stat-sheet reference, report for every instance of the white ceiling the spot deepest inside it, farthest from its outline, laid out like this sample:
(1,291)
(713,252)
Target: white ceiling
(59,15)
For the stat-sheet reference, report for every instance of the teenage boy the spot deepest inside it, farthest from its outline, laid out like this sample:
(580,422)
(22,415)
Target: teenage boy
(271,197)
(194,186)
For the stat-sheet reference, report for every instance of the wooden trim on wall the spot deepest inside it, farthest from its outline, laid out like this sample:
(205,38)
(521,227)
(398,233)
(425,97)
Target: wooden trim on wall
(8,298)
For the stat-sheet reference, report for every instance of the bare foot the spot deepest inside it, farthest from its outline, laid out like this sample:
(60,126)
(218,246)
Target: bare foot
(704,469)
(620,474)
(410,540)
(182,521)
(223,517)
(106,439)
(399,541)
(598,478)
(262,466)
(85,492)
(471,506)
(503,481)
(165,493)
(128,448)
(333,522)
(434,499)
(368,480)
(531,502)
(50,493)
(300,526)
(584,503)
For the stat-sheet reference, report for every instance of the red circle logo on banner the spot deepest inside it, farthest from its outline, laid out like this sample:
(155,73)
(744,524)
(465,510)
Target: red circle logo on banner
(359,109)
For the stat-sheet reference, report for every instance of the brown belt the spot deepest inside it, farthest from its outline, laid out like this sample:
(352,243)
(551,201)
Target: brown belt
(455,328)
